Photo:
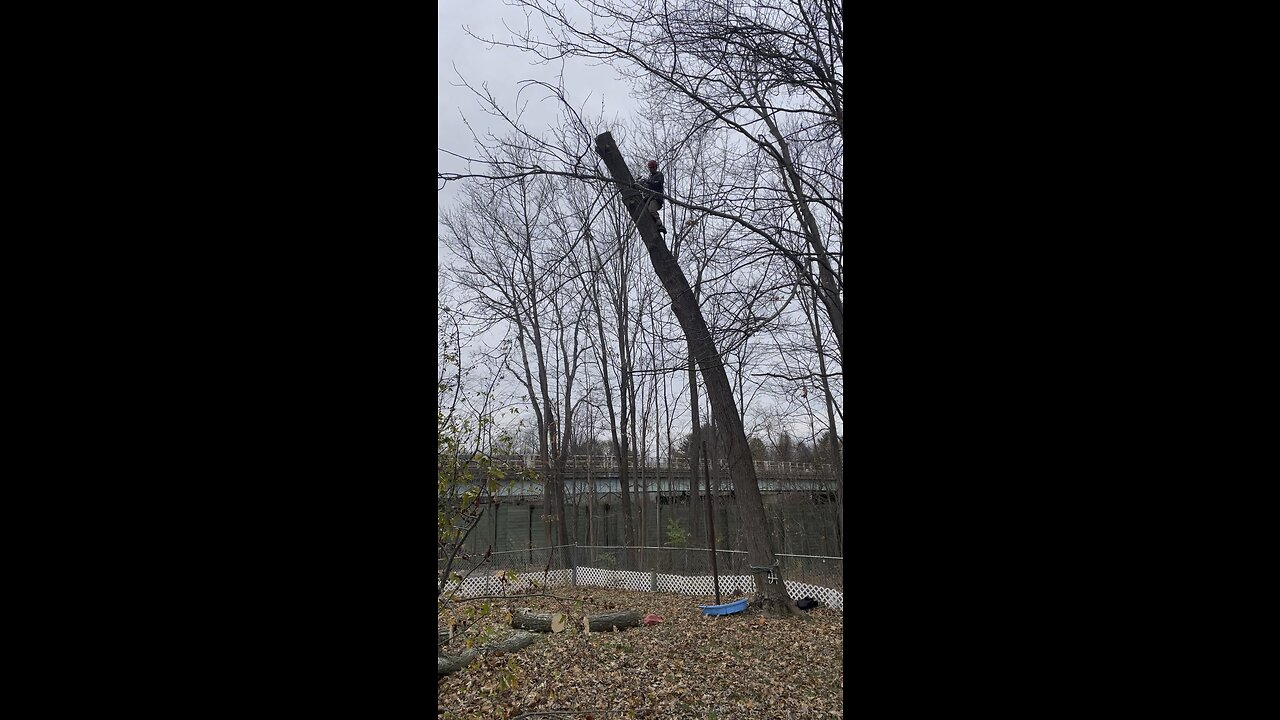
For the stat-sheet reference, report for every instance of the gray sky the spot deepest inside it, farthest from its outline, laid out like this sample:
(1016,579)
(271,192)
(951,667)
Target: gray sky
(502,69)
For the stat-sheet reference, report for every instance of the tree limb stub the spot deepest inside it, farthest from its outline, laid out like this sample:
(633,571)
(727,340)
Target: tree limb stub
(525,619)
(448,664)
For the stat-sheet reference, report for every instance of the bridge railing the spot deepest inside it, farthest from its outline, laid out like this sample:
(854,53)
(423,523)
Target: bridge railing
(606,463)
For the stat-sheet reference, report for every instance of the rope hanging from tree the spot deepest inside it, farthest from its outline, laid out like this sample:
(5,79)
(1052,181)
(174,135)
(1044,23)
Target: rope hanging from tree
(770,569)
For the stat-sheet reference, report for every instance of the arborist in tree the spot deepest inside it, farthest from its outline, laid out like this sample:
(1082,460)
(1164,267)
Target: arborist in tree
(654,183)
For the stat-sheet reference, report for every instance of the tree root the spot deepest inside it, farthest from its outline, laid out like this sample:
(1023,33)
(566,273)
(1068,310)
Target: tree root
(775,607)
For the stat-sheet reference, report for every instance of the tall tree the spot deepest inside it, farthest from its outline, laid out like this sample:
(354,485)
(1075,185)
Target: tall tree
(499,233)
(610,280)
(731,435)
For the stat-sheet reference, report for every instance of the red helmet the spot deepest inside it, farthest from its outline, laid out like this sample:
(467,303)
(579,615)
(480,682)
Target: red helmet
(653,164)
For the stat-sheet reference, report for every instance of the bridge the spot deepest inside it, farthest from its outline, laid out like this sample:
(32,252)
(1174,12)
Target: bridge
(669,479)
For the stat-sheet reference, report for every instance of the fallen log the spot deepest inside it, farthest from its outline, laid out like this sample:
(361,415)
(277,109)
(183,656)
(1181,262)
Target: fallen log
(452,663)
(526,619)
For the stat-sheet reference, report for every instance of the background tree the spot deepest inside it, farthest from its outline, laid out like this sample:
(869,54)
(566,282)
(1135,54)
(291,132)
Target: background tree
(769,73)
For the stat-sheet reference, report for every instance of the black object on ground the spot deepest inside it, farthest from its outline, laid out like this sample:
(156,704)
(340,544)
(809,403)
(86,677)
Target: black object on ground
(808,603)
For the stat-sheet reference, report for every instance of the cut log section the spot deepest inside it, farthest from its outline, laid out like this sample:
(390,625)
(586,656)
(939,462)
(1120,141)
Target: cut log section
(525,619)
(514,641)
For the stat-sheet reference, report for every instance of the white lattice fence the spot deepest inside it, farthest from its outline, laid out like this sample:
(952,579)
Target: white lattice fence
(593,576)
(489,584)
(476,585)
(702,585)
(670,583)
(736,584)
(627,580)
(833,599)
(552,578)
(640,581)
(617,579)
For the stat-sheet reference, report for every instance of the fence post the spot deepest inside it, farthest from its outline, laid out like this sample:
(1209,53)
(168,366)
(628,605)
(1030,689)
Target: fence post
(573,563)
(653,580)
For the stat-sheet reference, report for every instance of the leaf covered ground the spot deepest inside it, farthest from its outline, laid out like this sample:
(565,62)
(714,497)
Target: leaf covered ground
(733,667)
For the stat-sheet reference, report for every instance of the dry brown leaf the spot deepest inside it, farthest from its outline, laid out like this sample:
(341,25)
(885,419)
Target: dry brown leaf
(662,671)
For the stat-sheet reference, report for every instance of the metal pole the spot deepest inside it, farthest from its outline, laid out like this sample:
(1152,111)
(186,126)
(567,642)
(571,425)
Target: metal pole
(711,522)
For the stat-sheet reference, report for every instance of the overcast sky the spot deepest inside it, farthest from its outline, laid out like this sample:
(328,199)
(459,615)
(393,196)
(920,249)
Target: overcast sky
(502,69)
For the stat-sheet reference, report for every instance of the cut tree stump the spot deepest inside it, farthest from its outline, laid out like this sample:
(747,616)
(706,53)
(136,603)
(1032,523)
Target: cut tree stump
(526,619)
(514,641)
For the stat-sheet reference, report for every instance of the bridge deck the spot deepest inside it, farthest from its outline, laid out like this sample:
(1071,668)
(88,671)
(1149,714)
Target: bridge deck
(583,464)
(773,475)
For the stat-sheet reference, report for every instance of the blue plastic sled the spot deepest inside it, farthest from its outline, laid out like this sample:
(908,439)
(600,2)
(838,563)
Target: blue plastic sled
(726,609)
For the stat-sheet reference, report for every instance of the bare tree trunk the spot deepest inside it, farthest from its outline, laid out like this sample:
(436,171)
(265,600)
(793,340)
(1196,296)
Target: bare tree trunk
(837,467)
(637,452)
(770,596)
(553,483)
(671,485)
(696,510)
(657,465)
(617,426)
(627,409)
(571,365)
(592,507)
(695,450)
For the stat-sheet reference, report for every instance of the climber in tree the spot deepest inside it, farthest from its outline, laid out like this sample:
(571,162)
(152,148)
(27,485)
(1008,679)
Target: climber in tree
(654,183)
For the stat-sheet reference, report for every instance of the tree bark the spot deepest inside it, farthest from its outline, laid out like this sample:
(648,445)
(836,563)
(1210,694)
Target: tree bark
(770,597)
(696,511)
(525,619)
(617,426)
(452,663)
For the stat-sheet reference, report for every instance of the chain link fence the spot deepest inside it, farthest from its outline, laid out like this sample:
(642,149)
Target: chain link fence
(818,569)
(529,563)
(651,569)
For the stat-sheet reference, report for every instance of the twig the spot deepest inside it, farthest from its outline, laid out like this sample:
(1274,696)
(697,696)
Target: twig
(525,595)
(808,376)
(565,712)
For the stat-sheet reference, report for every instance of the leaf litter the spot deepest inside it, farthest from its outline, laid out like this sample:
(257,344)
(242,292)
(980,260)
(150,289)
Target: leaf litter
(744,666)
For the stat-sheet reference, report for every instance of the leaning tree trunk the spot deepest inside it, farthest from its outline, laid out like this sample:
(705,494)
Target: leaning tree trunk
(770,597)
(453,663)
